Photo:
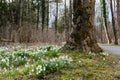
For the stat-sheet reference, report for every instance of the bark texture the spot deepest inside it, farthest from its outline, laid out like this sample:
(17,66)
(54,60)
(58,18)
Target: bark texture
(118,13)
(82,36)
(113,24)
(104,20)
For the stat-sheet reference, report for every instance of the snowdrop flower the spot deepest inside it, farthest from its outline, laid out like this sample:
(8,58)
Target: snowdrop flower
(3,60)
(104,53)
(40,69)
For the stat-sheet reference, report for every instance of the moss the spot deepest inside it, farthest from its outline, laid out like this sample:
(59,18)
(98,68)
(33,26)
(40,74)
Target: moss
(95,68)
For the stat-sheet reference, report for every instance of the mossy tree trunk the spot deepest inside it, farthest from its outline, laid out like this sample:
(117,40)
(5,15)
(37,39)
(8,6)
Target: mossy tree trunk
(82,36)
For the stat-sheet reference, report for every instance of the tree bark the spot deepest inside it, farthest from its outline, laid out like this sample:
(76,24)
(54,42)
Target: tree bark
(82,36)
(56,20)
(47,15)
(70,14)
(104,19)
(20,13)
(118,14)
(20,38)
(38,16)
(113,24)
(67,27)
(43,3)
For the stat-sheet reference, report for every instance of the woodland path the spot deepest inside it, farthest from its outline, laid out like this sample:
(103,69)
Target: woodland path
(111,48)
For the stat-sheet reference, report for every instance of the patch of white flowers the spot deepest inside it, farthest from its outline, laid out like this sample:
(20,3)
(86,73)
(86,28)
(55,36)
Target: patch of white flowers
(40,70)
(104,54)
(18,56)
(53,64)
(9,60)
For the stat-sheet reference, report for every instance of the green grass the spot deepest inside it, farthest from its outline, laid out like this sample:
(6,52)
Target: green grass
(91,67)
(85,66)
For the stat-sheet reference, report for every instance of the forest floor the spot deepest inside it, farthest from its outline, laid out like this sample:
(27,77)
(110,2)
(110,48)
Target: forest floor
(48,63)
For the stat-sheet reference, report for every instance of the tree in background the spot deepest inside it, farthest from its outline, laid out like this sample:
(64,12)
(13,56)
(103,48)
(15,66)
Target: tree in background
(43,9)
(104,17)
(47,21)
(22,20)
(56,17)
(113,23)
(118,14)
(70,9)
(67,28)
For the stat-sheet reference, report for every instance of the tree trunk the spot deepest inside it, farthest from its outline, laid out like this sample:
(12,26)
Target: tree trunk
(43,2)
(47,15)
(20,13)
(56,20)
(104,19)
(118,14)
(47,19)
(29,13)
(20,21)
(70,14)
(38,16)
(65,23)
(101,29)
(82,36)
(113,24)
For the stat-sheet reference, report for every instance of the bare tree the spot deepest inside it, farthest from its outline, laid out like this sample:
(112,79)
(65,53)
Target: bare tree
(65,22)
(118,13)
(56,20)
(113,23)
(20,13)
(43,9)
(104,19)
(38,15)
(70,6)
(47,15)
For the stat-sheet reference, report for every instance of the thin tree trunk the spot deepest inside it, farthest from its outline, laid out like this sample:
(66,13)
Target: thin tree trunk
(38,16)
(30,12)
(65,23)
(104,17)
(56,20)
(47,24)
(47,15)
(113,23)
(70,14)
(20,13)
(29,21)
(20,21)
(118,14)
(43,14)
(101,25)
